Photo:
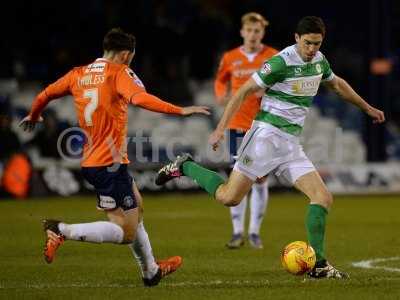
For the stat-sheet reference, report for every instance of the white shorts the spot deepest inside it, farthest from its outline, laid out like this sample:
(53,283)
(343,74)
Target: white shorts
(263,151)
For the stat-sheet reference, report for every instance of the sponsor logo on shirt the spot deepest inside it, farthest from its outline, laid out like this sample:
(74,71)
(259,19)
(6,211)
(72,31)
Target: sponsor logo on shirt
(306,87)
(95,67)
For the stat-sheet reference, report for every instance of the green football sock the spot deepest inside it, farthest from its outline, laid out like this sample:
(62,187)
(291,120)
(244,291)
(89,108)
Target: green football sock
(315,224)
(206,179)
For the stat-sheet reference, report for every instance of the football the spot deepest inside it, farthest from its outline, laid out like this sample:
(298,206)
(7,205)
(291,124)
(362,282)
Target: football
(298,258)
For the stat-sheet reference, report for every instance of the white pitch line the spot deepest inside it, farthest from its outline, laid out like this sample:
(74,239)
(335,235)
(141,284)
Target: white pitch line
(368,264)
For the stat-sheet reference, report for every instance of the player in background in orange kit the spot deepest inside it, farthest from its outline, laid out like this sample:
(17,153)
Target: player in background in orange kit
(236,67)
(102,92)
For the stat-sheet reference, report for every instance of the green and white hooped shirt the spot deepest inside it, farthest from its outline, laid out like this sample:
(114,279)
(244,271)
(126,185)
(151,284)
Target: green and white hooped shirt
(291,85)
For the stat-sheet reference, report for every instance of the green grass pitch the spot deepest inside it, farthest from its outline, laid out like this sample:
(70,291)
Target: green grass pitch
(196,227)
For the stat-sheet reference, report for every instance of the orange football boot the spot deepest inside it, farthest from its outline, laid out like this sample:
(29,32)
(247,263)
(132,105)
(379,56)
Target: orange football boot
(169,265)
(165,267)
(53,241)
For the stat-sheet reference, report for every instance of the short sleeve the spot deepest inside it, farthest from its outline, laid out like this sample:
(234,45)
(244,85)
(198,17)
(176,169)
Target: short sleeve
(327,73)
(272,71)
(128,83)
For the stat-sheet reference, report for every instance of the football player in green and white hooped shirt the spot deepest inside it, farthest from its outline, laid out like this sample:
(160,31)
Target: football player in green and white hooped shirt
(291,79)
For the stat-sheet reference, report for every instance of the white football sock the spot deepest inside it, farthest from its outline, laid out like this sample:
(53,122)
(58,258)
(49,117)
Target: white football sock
(96,232)
(238,213)
(258,205)
(141,249)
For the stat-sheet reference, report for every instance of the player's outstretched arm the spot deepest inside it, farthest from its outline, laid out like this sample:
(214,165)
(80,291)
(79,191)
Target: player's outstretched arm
(153,103)
(53,91)
(346,92)
(29,122)
(231,108)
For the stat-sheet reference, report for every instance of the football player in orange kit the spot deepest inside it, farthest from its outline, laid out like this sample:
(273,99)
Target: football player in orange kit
(236,67)
(102,91)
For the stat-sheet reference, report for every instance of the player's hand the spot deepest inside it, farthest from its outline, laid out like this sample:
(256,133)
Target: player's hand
(28,124)
(188,110)
(377,115)
(214,139)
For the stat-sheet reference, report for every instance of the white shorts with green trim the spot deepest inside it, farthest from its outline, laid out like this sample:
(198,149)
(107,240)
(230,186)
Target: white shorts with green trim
(264,151)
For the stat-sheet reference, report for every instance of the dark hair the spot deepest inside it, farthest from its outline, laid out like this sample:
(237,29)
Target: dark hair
(118,40)
(310,24)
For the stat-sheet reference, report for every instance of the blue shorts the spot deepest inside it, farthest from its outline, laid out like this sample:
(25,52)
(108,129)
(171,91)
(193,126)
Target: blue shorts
(235,138)
(113,187)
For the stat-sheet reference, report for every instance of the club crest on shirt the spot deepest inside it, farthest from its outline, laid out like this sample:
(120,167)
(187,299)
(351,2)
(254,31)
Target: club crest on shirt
(266,69)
